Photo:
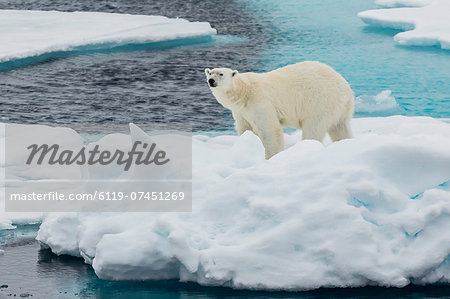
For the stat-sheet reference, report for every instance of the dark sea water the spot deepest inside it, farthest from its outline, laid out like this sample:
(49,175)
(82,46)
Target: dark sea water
(138,85)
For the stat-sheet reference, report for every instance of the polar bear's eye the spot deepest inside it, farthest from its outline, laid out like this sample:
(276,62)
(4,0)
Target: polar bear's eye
(221,74)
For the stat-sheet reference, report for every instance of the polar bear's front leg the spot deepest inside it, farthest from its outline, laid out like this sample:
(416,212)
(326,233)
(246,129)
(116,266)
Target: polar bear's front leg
(272,140)
(241,124)
(267,126)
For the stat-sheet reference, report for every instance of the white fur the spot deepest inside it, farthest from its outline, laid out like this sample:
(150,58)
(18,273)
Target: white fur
(309,95)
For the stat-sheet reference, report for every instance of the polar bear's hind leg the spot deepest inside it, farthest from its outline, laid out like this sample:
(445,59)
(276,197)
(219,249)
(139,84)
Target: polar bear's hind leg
(341,130)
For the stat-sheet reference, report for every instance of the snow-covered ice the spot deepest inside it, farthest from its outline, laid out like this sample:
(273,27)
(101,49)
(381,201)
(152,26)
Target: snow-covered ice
(373,210)
(25,33)
(5,223)
(8,220)
(427,25)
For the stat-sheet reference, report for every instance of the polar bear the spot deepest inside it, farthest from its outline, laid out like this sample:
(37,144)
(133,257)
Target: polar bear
(308,95)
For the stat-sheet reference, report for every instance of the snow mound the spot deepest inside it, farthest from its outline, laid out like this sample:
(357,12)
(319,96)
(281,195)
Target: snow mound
(373,210)
(382,103)
(428,25)
(27,33)
(8,220)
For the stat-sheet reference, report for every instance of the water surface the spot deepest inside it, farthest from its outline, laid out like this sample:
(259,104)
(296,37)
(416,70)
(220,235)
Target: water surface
(149,86)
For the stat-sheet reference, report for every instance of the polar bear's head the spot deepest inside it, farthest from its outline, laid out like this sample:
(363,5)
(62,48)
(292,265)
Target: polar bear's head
(220,78)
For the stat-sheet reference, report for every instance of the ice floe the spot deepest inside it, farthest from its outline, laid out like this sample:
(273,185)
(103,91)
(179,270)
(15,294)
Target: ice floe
(382,103)
(25,33)
(373,210)
(427,25)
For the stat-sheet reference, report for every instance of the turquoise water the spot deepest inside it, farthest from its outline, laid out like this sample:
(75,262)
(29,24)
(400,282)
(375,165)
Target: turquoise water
(330,31)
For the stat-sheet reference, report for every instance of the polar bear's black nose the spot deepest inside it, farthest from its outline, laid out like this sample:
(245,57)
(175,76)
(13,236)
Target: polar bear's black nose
(212,82)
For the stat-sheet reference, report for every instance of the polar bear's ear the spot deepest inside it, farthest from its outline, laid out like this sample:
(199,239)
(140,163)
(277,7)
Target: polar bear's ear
(207,71)
(234,73)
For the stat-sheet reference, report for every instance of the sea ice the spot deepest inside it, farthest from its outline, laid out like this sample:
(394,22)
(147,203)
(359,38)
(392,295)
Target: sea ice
(372,210)
(26,33)
(384,102)
(5,223)
(428,25)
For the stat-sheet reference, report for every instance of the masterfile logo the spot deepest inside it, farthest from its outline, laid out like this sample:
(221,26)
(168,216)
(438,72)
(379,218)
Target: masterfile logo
(53,155)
